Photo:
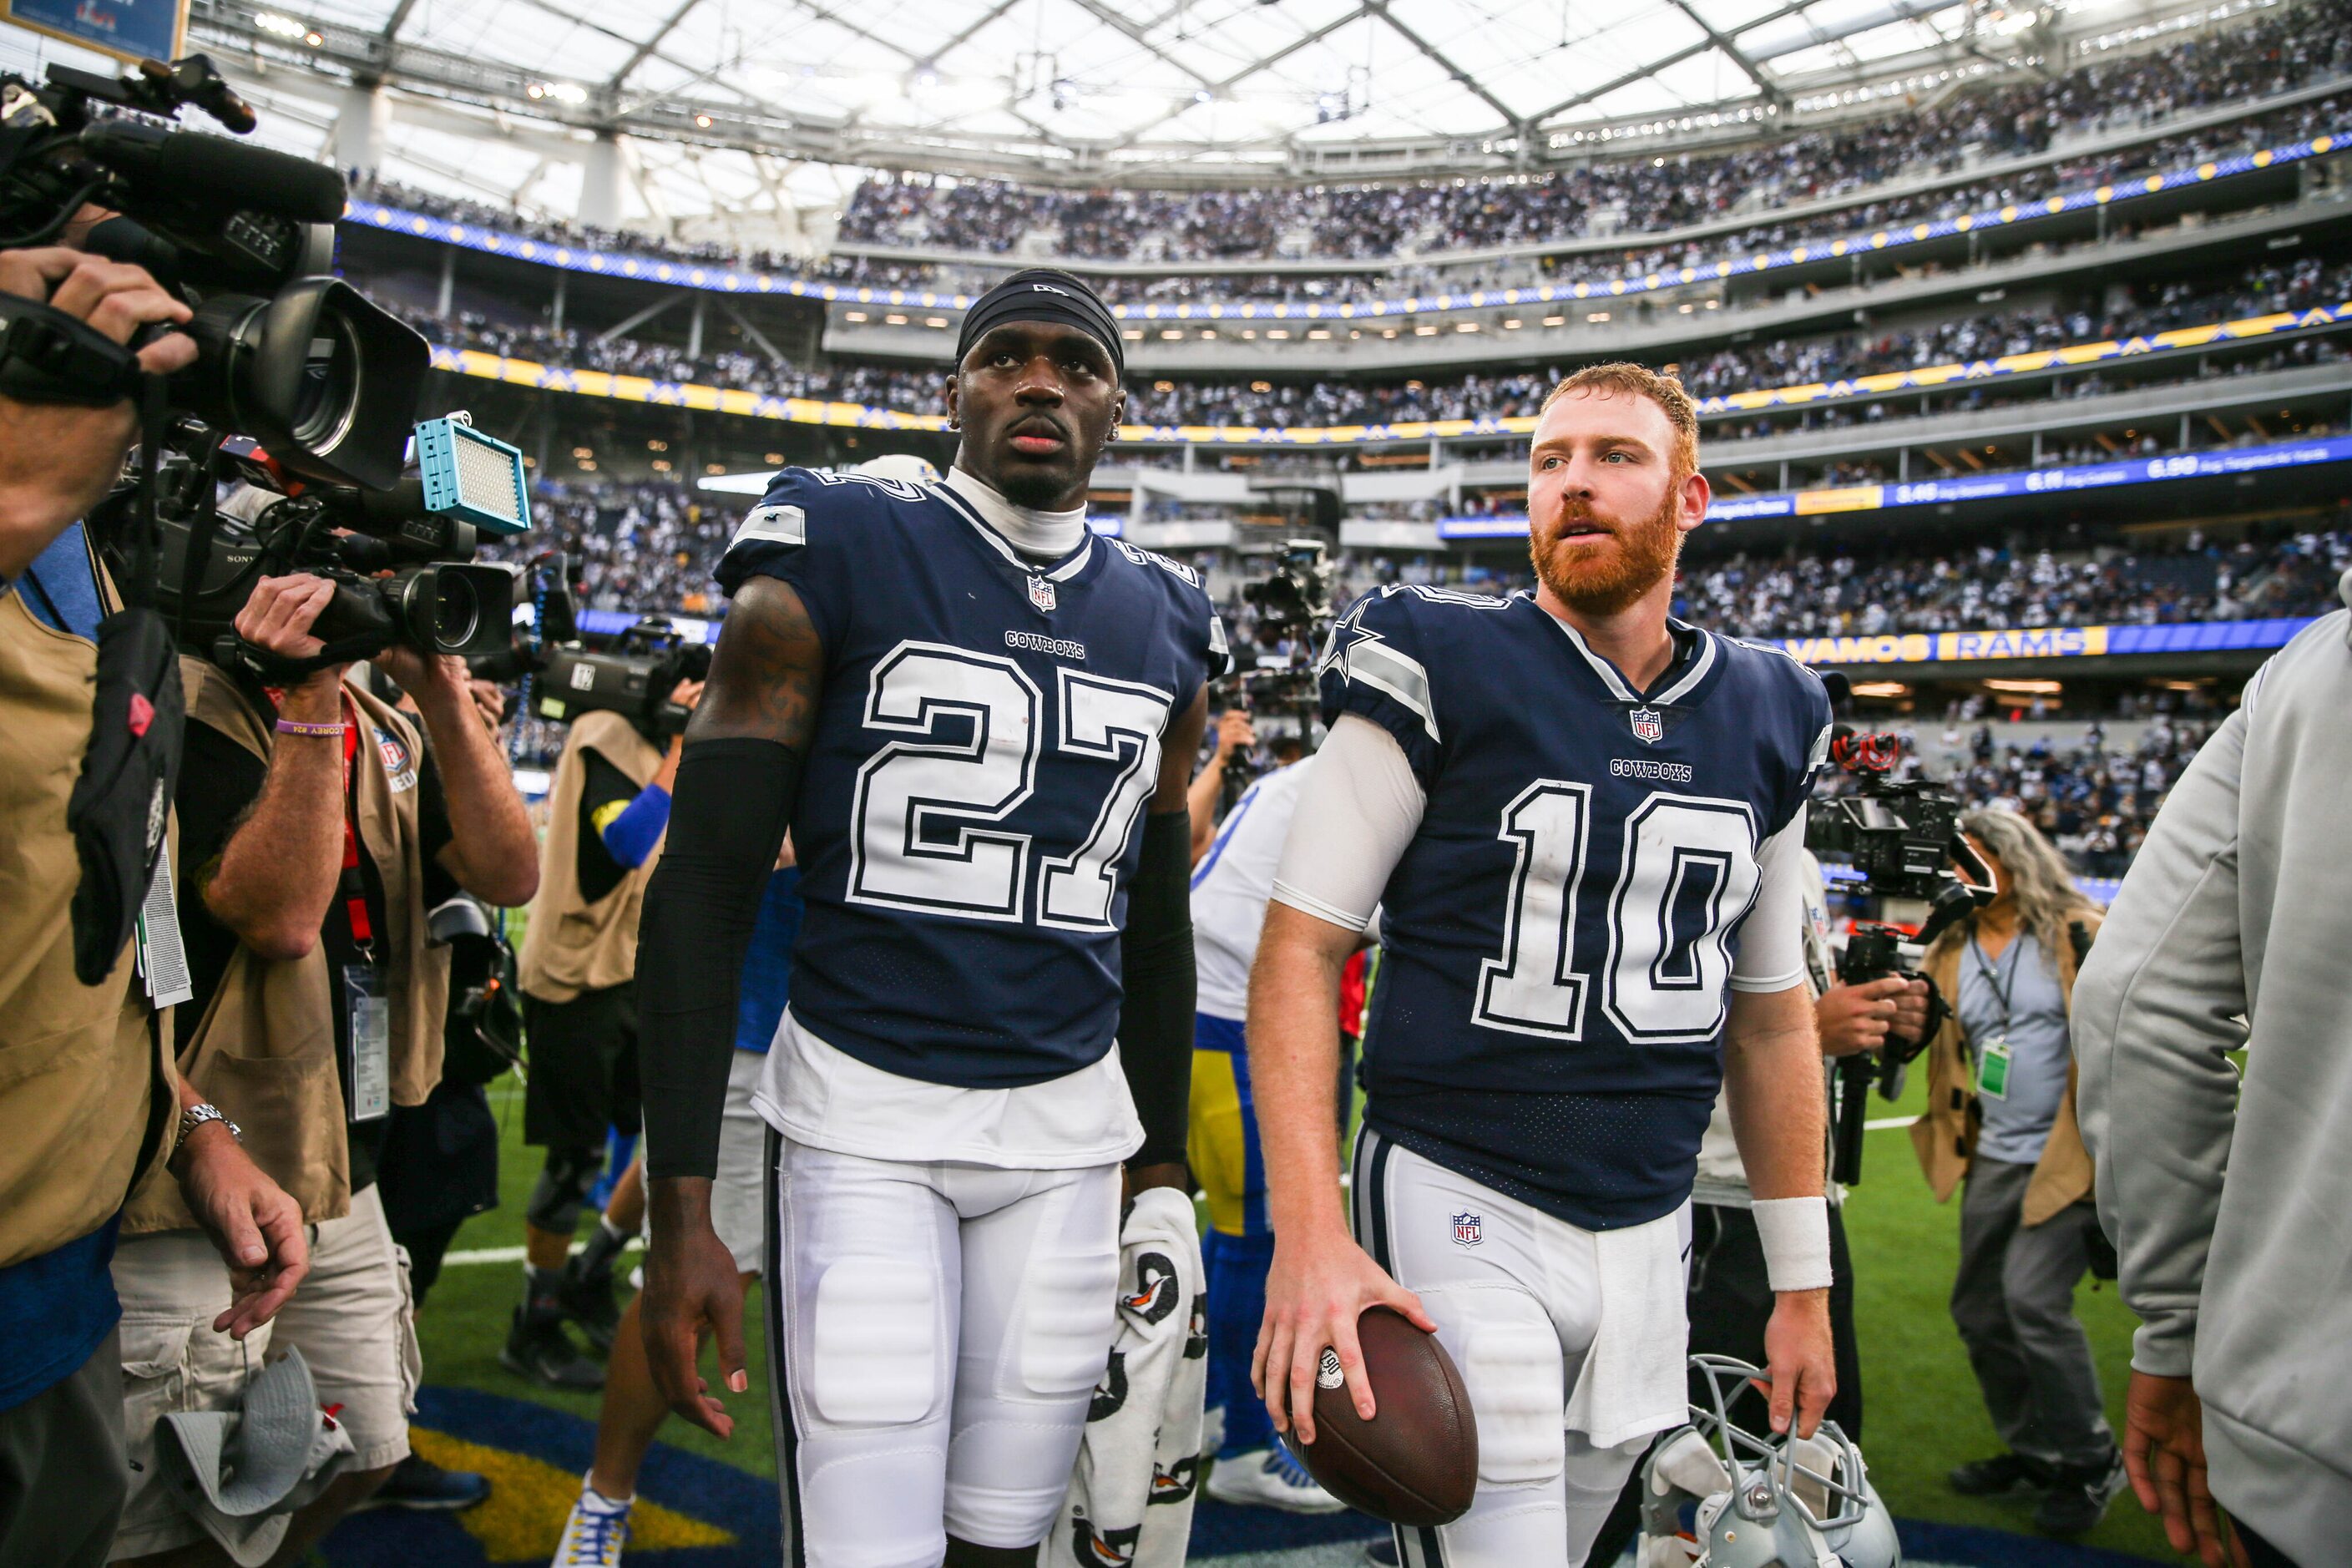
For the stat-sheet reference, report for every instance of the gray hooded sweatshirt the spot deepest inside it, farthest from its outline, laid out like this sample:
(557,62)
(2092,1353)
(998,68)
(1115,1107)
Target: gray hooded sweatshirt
(2231,1203)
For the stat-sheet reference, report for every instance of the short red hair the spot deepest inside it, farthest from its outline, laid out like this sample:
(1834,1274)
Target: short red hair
(1623,378)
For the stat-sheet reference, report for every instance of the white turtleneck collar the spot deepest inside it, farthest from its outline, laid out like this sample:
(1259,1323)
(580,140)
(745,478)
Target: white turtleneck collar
(1040,535)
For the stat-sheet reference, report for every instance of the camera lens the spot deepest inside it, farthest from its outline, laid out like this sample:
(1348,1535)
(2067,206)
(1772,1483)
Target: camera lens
(326,395)
(456,609)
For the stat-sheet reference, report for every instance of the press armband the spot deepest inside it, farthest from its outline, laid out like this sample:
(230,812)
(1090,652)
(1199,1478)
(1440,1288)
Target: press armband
(1795,1233)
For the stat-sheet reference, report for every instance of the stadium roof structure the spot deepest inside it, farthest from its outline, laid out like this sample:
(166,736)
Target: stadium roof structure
(725,103)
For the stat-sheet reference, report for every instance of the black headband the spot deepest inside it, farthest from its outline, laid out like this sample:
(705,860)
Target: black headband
(1043,294)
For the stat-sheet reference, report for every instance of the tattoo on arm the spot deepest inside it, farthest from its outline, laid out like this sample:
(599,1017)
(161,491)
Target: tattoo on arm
(767,673)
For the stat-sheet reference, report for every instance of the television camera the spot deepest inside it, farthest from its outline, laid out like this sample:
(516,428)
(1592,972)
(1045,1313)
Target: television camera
(633,677)
(1904,838)
(1294,602)
(402,557)
(287,357)
(297,359)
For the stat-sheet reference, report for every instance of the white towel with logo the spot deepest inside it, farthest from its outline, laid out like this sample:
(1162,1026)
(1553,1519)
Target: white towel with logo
(1130,1500)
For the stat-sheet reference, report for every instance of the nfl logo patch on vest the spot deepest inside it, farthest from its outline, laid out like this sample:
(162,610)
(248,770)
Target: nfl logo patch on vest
(1469,1229)
(1041,594)
(1649,725)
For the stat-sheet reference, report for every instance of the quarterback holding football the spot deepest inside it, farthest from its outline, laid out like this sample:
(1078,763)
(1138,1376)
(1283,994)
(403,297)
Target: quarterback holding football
(1581,823)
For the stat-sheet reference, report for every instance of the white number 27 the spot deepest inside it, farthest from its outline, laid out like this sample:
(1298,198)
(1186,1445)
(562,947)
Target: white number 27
(922,827)
(1688,873)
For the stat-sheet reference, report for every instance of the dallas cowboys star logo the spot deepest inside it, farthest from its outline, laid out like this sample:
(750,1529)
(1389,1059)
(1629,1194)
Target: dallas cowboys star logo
(1346,635)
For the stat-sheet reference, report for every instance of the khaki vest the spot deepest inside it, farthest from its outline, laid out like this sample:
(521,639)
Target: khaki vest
(1945,1136)
(84,1080)
(265,1049)
(570,945)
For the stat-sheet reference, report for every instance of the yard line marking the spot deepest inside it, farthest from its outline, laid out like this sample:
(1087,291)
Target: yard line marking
(1885,1123)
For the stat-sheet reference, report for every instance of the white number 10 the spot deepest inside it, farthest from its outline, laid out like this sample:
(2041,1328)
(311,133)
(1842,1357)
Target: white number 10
(921,835)
(1688,873)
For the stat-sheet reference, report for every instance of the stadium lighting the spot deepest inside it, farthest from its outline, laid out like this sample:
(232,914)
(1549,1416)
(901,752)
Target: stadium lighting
(287,27)
(726,484)
(560,91)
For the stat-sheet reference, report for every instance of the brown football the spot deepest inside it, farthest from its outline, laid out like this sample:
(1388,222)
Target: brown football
(1414,1463)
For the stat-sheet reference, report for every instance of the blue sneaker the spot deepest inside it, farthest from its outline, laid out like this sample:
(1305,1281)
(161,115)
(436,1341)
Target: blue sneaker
(1269,1478)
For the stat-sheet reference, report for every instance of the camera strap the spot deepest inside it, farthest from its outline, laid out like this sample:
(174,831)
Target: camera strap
(47,356)
(352,887)
(120,811)
(367,1007)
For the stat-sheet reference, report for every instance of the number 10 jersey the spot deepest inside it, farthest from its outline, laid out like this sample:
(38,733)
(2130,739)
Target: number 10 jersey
(986,743)
(1560,937)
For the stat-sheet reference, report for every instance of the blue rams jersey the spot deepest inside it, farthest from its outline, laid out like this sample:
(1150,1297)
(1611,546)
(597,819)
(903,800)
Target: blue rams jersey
(1561,933)
(986,743)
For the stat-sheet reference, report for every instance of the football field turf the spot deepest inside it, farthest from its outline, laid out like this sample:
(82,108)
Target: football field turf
(716,1501)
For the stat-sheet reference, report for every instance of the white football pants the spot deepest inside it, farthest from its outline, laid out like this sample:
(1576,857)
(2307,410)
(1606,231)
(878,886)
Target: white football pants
(935,1335)
(1515,1293)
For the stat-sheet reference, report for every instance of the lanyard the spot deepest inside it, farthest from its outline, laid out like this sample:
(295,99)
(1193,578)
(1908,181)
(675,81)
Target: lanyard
(2001,987)
(353,890)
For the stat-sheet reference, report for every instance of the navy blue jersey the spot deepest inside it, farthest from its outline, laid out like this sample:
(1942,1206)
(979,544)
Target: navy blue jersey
(987,741)
(1560,932)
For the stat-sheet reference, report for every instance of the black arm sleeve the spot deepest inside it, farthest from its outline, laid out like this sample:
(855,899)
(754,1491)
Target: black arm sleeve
(1155,1016)
(727,820)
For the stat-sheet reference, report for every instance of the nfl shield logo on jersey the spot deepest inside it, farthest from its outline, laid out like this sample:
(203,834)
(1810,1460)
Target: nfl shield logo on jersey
(1469,1229)
(1041,593)
(1649,725)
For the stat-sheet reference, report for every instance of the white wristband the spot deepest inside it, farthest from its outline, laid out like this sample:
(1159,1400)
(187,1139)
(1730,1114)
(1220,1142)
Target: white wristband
(1796,1236)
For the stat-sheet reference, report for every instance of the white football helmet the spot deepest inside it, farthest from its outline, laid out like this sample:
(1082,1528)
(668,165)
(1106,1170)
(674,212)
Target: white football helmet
(1758,1502)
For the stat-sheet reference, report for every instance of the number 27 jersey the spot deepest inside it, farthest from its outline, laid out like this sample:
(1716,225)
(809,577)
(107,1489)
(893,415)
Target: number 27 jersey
(1560,935)
(987,741)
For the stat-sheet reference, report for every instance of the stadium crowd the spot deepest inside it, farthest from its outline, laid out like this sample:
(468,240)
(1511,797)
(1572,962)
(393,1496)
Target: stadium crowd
(2111,312)
(2270,56)
(2302,45)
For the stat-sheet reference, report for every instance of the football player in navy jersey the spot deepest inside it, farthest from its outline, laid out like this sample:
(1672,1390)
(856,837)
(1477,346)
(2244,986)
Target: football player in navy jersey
(979,720)
(1581,822)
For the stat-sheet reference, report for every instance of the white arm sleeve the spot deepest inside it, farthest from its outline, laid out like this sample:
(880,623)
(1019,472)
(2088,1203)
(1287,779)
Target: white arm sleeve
(1358,808)
(1773,941)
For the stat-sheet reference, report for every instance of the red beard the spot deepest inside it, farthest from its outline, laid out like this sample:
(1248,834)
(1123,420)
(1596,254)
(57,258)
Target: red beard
(1645,554)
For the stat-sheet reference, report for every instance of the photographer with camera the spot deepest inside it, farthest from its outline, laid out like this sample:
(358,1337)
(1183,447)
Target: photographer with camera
(310,813)
(87,1102)
(2000,1119)
(1233,879)
(1729,1295)
(608,810)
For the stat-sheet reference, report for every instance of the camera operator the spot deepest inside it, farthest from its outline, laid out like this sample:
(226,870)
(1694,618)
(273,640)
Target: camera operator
(2000,1116)
(437,1164)
(607,811)
(1731,1293)
(2225,1192)
(87,1103)
(309,816)
(1235,733)
(1233,878)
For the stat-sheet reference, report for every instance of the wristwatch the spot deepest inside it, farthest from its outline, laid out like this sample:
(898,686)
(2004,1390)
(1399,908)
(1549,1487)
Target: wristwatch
(194,1116)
